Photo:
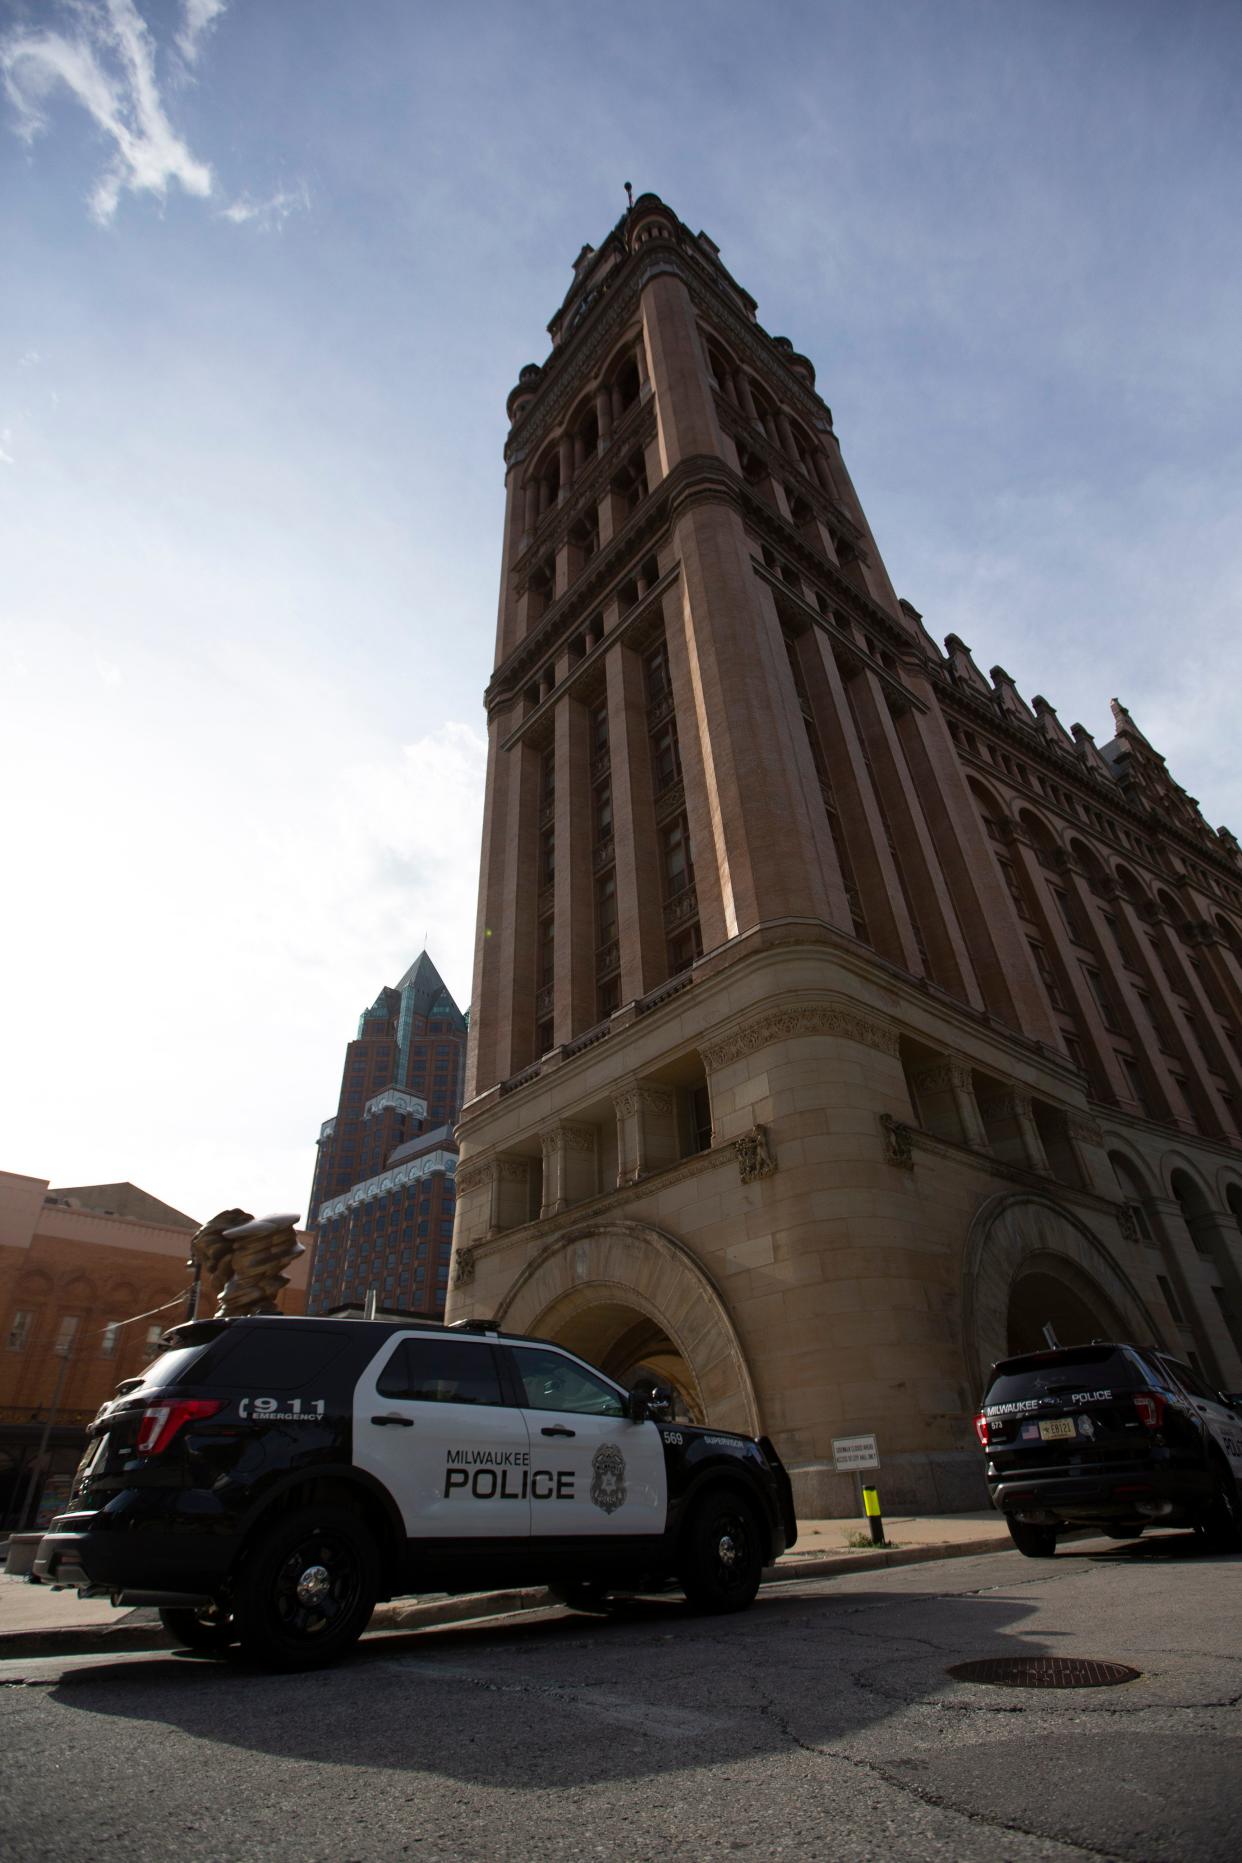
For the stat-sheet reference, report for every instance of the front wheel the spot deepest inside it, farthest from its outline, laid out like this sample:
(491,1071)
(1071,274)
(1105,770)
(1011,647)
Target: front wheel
(1034,1542)
(307,1588)
(1220,1526)
(204,1627)
(722,1557)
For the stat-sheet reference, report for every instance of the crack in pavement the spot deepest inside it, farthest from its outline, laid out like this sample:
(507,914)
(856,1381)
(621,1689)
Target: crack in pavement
(770,1711)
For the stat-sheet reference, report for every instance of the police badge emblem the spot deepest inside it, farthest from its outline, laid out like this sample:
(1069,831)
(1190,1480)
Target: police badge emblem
(608,1478)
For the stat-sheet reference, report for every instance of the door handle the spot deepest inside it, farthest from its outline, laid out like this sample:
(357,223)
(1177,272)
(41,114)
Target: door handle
(557,1429)
(402,1423)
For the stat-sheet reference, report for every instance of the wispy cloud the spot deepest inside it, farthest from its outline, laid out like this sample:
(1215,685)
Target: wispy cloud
(6,436)
(197,19)
(269,213)
(106,59)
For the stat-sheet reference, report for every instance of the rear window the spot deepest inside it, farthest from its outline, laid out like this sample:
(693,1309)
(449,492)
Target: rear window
(277,1358)
(1075,1375)
(171,1366)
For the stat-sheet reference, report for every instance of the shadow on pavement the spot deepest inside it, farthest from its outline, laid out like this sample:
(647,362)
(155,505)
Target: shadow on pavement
(569,1700)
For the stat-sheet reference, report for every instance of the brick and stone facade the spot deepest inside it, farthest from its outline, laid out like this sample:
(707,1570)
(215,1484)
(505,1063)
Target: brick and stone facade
(90,1276)
(840,1019)
(382,1200)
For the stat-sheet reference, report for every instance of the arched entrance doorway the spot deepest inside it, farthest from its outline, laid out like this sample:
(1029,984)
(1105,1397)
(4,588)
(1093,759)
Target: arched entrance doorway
(631,1347)
(636,1302)
(1054,1302)
(1030,1263)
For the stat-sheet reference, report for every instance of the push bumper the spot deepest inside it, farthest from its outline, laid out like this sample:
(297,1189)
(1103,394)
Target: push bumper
(1104,1499)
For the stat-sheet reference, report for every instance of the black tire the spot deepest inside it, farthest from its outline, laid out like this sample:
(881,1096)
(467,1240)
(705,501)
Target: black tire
(1220,1525)
(1123,1533)
(306,1589)
(1033,1542)
(722,1554)
(204,1627)
(581,1594)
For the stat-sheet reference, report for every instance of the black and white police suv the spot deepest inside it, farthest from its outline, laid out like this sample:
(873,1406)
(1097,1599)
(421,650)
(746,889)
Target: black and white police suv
(268,1479)
(1116,1437)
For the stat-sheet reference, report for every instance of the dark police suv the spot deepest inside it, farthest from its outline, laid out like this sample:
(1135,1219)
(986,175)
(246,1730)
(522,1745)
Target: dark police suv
(267,1479)
(1117,1437)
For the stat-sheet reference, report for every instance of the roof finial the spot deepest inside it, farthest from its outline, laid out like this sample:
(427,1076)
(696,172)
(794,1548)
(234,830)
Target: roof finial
(629,195)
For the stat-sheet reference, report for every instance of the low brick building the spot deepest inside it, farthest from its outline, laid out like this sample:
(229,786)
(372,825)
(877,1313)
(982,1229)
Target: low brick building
(90,1276)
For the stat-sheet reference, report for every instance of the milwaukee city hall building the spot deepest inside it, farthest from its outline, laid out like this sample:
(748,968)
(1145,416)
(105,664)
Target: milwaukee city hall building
(841,1020)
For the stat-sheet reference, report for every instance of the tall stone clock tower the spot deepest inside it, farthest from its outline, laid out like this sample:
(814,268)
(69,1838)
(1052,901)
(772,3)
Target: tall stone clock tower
(779,1087)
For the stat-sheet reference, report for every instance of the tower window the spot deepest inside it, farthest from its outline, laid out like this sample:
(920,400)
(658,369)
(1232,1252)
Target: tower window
(603,811)
(656,674)
(684,948)
(606,908)
(665,756)
(677,865)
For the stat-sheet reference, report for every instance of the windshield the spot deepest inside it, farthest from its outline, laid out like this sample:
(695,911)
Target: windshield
(1073,1376)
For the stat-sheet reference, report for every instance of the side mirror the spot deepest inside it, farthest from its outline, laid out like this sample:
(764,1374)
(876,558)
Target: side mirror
(655,1401)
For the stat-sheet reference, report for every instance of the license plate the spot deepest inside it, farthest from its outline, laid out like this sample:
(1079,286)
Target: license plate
(1057,1428)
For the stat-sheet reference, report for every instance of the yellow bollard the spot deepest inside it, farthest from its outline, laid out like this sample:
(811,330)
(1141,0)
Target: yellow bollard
(875,1520)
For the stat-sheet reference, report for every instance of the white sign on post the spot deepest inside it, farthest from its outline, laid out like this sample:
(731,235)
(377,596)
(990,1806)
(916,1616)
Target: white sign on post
(855,1452)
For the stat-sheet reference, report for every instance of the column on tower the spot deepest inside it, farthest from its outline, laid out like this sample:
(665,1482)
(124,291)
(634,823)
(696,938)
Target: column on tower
(942,951)
(574,916)
(998,953)
(859,822)
(1155,953)
(640,923)
(519,930)
(754,839)
(1065,980)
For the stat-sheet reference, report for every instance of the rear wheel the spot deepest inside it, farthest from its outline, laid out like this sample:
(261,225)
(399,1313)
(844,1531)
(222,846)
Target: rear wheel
(1034,1542)
(307,1589)
(1220,1526)
(204,1627)
(722,1555)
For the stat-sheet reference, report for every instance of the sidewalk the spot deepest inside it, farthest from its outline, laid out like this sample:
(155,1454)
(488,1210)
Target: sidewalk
(37,1618)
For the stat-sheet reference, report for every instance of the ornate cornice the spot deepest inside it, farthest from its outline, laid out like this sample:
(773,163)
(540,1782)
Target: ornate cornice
(785,1024)
(564,1137)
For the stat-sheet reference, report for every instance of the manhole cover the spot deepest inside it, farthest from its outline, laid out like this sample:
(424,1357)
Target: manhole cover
(1044,1672)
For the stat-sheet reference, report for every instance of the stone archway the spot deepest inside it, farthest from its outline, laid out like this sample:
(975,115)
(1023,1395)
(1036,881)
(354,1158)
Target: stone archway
(632,1299)
(1026,1253)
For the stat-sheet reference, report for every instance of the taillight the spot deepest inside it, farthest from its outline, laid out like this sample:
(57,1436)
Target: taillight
(981,1429)
(161,1422)
(1150,1406)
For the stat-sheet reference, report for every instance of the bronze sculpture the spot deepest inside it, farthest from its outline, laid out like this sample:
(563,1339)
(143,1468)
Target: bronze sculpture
(243,1258)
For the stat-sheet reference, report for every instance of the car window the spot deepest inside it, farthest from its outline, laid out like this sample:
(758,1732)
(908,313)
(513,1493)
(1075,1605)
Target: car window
(1190,1381)
(172,1365)
(442,1371)
(276,1357)
(553,1382)
(1045,1377)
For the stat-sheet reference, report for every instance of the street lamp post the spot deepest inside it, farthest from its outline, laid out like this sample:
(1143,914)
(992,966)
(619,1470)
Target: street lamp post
(62,1352)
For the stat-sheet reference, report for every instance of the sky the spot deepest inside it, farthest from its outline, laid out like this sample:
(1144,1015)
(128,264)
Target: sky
(271,268)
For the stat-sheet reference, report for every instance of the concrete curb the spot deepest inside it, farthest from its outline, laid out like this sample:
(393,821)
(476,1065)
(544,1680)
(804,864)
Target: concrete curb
(142,1630)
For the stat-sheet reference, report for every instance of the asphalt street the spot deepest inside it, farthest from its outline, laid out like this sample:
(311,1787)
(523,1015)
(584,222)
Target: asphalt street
(821,1723)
